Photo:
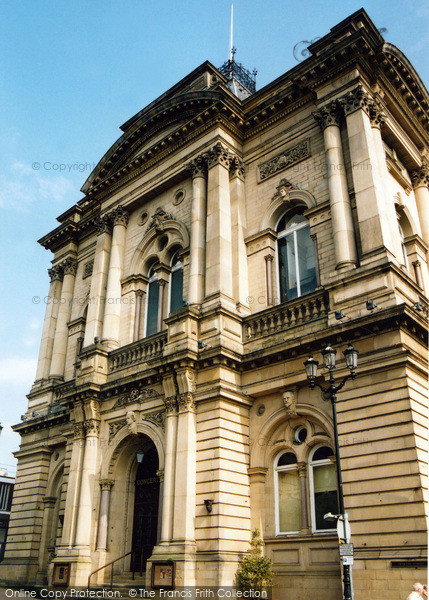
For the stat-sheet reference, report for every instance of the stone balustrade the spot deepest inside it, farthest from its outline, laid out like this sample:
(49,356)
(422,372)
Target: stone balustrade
(138,352)
(284,316)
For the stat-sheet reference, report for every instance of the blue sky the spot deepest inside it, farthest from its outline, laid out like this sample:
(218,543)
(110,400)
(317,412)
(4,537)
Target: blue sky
(73,72)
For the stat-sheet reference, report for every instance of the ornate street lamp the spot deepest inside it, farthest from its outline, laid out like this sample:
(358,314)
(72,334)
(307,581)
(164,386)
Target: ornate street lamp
(351,358)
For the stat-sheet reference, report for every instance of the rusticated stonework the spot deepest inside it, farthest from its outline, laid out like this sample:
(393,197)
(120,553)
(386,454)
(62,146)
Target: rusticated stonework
(284,160)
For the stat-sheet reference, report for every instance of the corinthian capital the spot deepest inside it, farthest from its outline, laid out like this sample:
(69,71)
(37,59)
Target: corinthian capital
(237,168)
(218,155)
(170,405)
(186,402)
(376,114)
(420,177)
(330,114)
(120,216)
(69,266)
(198,166)
(104,224)
(56,273)
(356,99)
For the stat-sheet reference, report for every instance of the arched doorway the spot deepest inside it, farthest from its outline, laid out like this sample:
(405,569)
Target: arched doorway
(146,505)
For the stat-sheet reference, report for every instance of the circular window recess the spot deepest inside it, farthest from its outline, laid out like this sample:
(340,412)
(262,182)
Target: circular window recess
(143,217)
(300,435)
(261,409)
(162,242)
(179,196)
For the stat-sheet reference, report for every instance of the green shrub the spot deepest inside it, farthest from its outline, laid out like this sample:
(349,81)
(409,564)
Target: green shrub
(255,571)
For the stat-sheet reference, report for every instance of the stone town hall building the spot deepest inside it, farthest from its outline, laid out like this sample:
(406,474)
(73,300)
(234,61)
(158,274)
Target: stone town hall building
(213,246)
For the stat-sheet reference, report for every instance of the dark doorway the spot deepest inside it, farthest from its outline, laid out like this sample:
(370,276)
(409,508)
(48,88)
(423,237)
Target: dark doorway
(145,523)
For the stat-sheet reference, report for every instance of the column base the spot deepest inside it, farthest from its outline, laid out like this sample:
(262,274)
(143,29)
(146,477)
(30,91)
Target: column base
(109,344)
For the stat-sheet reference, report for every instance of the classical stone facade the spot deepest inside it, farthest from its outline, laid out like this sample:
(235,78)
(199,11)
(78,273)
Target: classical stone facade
(219,242)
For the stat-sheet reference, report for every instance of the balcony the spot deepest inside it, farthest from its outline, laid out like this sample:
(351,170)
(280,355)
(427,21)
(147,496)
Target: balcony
(138,352)
(284,317)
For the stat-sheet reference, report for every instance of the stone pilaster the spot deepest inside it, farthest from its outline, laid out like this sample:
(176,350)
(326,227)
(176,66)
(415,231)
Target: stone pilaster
(170,401)
(240,278)
(50,322)
(198,169)
(94,321)
(59,351)
(103,516)
(218,227)
(112,311)
(328,118)
(138,314)
(257,476)
(420,179)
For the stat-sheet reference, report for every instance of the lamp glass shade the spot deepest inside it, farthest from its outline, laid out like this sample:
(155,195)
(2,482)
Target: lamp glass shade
(139,456)
(329,357)
(351,356)
(311,368)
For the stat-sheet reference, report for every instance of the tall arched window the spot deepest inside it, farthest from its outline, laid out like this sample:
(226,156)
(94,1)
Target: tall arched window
(287,494)
(323,488)
(176,284)
(152,303)
(296,260)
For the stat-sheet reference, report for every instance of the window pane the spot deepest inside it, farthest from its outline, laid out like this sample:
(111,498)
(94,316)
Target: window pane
(322,453)
(306,261)
(325,495)
(289,501)
(152,308)
(176,292)
(286,459)
(287,268)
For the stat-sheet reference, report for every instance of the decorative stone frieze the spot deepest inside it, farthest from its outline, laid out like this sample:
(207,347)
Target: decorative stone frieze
(158,219)
(69,266)
(115,427)
(219,155)
(284,160)
(56,273)
(157,418)
(120,216)
(198,166)
(420,177)
(327,115)
(135,396)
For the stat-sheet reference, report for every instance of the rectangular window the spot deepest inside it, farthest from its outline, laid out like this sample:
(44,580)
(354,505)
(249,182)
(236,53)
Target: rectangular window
(176,296)
(152,308)
(306,261)
(289,500)
(325,495)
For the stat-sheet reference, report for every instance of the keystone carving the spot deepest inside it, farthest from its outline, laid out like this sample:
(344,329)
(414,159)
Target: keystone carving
(283,189)
(131,421)
(158,220)
(289,401)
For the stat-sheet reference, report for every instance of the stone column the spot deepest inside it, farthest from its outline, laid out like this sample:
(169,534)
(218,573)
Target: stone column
(374,226)
(59,351)
(420,179)
(103,517)
(169,469)
(198,168)
(138,315)
(160,475)
(112,311)
(257,477)
(377,119)
(97,295)
(185,480)
(161,283)
(269,277)
(302,473)
(50,323)
(89,466)
(48,511)
(240,278)
(218,227)
(328,118)
(73,485)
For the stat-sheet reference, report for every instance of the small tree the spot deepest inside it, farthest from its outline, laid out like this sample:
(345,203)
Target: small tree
(255,571)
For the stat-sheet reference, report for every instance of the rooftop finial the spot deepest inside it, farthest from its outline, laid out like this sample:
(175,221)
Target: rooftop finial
(231,36)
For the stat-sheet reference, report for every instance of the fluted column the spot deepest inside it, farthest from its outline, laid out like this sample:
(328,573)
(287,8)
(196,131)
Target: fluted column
(97,295)
(89,467)
(420,179)
(50,322)
(112,311)
(59,351)
(169,469)
(198,168)
(374,226)
(328,118)
(240,278)
(218,227)
(185,479)
(103,517)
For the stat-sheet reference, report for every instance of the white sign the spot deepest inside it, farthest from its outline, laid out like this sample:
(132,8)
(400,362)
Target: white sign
(340,529)
(347,560)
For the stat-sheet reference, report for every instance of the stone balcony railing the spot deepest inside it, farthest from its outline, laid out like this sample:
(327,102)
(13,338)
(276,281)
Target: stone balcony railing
(285,316)
(138,352)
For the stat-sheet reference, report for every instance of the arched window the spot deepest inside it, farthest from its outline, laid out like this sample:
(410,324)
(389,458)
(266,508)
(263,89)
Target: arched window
(323,488)
(176,284)
(152,303)
(287,493)
(296,260)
